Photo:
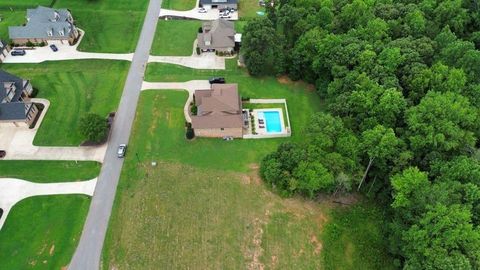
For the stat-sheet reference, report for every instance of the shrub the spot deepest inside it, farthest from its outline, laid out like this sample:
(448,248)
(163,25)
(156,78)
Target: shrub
(34,92)
(198,51)
(30,44)
(190,133)
(200,30)
(93,127)
(194,110)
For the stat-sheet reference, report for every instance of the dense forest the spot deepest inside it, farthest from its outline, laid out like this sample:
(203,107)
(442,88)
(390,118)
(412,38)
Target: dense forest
(401,81)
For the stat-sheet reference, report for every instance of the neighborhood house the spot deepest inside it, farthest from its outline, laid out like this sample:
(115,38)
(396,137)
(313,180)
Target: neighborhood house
(43,25)
(4,49)
(219,4)
(218,35)
(15,105)
(219,112)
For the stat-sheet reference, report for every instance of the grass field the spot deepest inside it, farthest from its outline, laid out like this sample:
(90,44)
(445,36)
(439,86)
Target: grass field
(110,25)
(179,4)
(248,9)
(42,232)
(175,37)
(203,206)
(10,18)
(74,88)
(354,239)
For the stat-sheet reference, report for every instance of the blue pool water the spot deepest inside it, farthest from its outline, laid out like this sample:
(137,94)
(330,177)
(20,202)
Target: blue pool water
(272,121)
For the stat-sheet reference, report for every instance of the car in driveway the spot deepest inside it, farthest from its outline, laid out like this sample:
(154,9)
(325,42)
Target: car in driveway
(122,150)
(216,80)
(54,48)
(18,52)
(202,10)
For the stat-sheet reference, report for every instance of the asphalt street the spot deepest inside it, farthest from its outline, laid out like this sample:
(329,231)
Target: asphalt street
(89,251)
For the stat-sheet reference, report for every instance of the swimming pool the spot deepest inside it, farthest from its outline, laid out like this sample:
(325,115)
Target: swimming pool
(272,121)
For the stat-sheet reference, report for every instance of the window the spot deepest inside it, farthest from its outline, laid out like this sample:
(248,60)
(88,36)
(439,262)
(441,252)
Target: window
(222,129)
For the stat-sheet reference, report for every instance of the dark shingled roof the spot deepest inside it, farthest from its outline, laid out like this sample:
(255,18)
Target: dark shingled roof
(14,109)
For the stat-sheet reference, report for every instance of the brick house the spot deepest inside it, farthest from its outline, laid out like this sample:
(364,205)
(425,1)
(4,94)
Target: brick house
(219,112)
(43,25)
(220,4)
(15,106)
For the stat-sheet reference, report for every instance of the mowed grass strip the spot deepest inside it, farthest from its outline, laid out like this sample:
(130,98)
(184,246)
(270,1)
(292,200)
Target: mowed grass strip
(179,4)
(124,5)
(74,88)
(21,4)
(10,18)
(45,171)
(42,232)
(175,37)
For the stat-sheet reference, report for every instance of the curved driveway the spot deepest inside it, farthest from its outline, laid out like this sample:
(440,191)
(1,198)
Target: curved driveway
(89,251)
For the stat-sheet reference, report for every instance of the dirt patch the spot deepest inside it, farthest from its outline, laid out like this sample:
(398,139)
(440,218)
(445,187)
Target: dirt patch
(52,249)
(316,244)
(284,80)
(42,250)
(33,263)
(256,250)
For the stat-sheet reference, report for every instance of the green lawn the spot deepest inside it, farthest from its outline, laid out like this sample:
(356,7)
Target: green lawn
(110,25)
(49,171)
(248,9)
(10,18)
(22,4)
(74,88)
(175,37)
(354,239)
(42,232)
(179,4)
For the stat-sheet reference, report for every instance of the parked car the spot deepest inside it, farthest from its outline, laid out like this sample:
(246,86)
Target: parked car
(223,16)
(18,52)
(122,149)
(202,10)
(54,48)
(216,80)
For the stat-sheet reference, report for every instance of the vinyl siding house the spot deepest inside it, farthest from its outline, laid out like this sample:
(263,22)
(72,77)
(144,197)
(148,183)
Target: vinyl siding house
(43,25)
(219,112)
(220,4)
(15,106)
(218,35)
(4,49)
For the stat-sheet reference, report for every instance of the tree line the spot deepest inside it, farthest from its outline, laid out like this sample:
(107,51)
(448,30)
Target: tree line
(401,80)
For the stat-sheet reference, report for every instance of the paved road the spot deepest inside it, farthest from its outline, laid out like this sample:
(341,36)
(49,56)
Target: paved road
(89,251)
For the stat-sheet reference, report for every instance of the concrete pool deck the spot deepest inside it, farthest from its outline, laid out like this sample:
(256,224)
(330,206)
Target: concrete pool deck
(262,133)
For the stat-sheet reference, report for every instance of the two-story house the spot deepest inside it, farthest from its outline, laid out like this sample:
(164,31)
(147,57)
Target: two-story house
(45,24)
(15,105)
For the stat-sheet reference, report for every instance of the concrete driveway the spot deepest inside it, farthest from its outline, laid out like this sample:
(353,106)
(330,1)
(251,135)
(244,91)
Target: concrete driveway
(189,86)
(18,143)
(203,61)
(210,15)
(14,190)
(65,52)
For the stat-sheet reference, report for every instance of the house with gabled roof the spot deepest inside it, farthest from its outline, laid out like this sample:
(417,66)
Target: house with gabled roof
(4,49)
(15,105)
(218,35)
(45,24)
(219,112)
(220,4)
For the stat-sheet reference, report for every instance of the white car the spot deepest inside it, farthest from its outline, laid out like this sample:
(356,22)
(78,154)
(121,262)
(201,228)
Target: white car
(202,10)
(225,16)
(122,149)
